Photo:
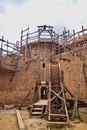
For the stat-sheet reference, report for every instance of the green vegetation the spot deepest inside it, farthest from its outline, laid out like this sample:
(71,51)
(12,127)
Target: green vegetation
(76,115)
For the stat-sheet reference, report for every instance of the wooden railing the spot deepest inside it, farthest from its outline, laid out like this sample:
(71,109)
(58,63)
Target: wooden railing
(70,41)
(44,32)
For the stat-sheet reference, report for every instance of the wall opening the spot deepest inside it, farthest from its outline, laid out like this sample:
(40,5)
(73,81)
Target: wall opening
(43,65)
(43,93)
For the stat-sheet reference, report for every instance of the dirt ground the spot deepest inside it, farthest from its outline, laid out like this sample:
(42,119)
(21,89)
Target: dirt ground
(8,121)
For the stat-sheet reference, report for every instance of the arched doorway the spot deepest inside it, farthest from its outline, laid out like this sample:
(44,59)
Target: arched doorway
(43,92)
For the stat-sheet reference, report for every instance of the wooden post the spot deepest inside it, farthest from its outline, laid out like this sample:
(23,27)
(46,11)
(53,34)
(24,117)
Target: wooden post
(17,55)
(45,73)
(83,41)
(21,37)
(27,35)
(1,50)
(49,96)
(7,47)
(26,51)
(73,44)
(65,40)
(78,88)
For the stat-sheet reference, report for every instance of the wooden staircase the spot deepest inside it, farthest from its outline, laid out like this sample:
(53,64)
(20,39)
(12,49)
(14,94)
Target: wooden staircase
(38,108)
(57,102)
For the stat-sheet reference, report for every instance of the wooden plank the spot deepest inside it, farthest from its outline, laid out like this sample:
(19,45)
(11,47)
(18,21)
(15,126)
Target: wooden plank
(41,102)
(58,115)
(36,113)
(56,123)
(68,91)
(37,109)
(20,121)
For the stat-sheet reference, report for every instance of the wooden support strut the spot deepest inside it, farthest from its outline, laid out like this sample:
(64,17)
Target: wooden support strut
(79,83)
(49,92)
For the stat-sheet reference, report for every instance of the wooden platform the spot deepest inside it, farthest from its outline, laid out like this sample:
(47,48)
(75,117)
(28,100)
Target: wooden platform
(42,102)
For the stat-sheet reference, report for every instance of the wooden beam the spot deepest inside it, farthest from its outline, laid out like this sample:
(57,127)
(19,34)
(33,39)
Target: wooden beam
(58,115)
(56,123)
(57,95)
(6,41)
(11,47)
(6,51)
(68,91)
(49,56)
(20,121)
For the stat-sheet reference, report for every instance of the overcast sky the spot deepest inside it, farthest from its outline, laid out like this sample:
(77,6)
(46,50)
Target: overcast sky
(20,14)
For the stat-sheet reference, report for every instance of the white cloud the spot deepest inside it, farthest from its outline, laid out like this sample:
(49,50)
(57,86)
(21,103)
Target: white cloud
(32,13)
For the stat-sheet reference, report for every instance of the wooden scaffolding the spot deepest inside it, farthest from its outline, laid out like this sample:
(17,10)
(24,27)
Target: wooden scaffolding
(9,55)
(66,43)
(75,44)
(57,108)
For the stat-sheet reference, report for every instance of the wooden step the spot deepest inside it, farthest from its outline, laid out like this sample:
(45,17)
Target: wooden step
(37,109)
(36,113)
(37,105)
